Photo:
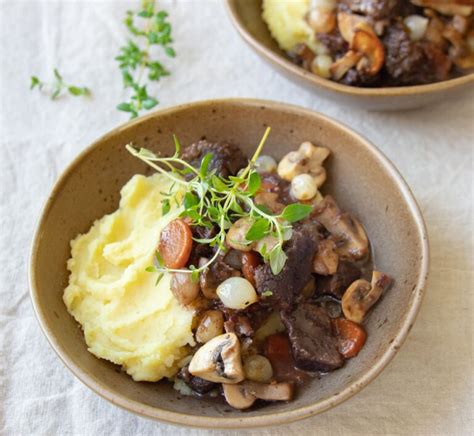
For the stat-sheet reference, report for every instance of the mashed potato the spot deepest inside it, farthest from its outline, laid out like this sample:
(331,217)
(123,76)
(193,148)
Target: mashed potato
(126,318)
(285,19)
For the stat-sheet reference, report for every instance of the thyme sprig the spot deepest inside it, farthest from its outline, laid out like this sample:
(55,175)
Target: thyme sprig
(216,202)
(148,28)
(58,87)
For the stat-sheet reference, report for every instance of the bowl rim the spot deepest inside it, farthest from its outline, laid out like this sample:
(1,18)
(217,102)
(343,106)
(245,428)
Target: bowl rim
(235,422)
(378,92)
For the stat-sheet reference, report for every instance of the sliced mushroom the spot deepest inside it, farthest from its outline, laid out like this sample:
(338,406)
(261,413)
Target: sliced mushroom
(347,24)
(367,43)
(326,258)
(270,392)
(308,159)
(361,295)
(243,395)
(453,7)
(349,235)
(465,62)
(340,67)
(219,360)
(237,396)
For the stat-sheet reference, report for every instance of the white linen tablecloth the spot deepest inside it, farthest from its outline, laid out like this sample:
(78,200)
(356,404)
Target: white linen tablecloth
(426,390)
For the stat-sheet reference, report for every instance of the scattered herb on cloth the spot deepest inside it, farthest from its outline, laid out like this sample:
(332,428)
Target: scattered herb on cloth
(137,63)
(58,87)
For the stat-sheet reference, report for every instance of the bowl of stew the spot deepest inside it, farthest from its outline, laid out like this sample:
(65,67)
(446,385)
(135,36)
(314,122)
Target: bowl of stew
(291,297)
(374,54)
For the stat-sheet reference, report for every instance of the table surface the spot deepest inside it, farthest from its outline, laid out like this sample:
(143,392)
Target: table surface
(426,390)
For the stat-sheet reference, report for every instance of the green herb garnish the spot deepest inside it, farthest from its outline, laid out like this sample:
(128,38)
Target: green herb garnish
(58,87)
(135,62)
(214,201)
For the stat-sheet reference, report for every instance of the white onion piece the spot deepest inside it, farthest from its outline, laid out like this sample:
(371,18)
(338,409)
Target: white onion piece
(265,164)
(258,368)
(303,187)
(417,26)
(236,293)
(321,65)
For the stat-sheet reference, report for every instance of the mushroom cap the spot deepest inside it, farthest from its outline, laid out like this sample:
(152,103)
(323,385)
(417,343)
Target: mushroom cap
(219,360)
(361,295)
(237,396)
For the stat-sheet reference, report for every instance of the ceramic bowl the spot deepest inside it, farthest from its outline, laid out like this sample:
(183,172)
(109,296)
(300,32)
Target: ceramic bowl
(362,180)
(246,15)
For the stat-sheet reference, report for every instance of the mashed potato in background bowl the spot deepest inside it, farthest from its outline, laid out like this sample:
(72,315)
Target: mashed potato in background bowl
(286,21)
(126,318)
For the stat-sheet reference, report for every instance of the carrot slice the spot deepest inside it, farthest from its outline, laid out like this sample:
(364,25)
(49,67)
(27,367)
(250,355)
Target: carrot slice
(250,261)
(176,241)
(352,337)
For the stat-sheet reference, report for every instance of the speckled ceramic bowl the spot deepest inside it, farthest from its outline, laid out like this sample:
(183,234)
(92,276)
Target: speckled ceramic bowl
(246,15)
(360,177)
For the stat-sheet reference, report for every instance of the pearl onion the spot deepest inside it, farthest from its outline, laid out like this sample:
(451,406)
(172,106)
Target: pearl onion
(258,368)
(303,187)
(236,293)
(265,164)
(321,65)
(417,26)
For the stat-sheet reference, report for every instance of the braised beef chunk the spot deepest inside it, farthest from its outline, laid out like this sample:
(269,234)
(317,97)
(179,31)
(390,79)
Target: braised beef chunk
(201,250)
(313,345)
(376,9)
(227,159)
(334,42)
(287,285)
(337,284)
(197,384)
(410,63)
(214,275)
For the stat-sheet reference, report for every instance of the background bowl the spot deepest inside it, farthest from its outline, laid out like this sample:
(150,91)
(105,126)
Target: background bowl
(362,180)
(246,15)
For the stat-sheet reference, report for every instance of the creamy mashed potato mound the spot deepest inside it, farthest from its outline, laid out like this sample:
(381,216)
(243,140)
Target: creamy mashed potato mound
(285,19)
(126,318)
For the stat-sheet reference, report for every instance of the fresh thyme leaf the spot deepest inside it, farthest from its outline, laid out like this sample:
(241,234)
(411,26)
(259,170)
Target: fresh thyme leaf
(158,278)
(57,75)
(149,103)
(266,294)
(35,82)
(190,200)
(218,184)
(296,212)
(165,207)
(258,230)
(277,259)
(235,207)
(76,90)
(206,160)
(159,259)
(254,183)
(151,268)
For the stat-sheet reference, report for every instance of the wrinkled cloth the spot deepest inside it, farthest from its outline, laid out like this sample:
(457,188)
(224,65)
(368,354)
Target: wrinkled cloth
(426,390)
